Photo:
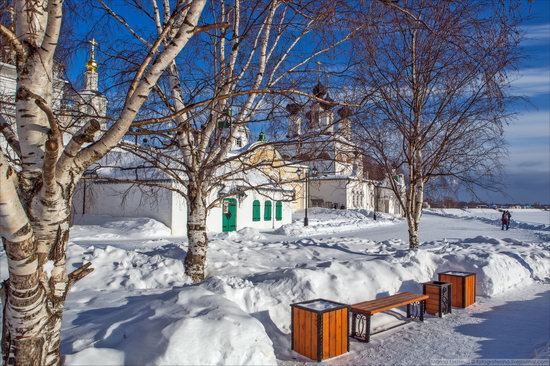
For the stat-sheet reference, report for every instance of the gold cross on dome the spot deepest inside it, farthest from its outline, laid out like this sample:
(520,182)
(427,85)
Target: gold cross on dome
(318,70)
(91,65)
(93,43)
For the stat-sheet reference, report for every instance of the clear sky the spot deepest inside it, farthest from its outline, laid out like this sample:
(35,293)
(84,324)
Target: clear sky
(527,168)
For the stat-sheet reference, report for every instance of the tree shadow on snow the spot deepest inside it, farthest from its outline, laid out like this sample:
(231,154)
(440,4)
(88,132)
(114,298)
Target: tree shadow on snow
(131,328)
(171,250)
(309,242)
(513,329)
(281,341)
(411,286)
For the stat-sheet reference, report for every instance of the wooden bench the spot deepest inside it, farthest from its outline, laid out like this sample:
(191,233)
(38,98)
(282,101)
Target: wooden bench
(362,312)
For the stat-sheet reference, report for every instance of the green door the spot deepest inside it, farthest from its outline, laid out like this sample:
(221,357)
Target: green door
(229,215)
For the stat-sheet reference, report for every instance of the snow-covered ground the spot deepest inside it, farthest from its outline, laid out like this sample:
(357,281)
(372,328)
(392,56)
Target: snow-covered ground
(521,218)
(138,307)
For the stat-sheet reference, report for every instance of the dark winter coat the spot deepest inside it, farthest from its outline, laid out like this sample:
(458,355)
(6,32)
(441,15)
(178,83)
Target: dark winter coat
(505,218)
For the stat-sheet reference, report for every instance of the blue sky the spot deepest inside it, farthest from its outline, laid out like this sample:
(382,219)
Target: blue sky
(527,168)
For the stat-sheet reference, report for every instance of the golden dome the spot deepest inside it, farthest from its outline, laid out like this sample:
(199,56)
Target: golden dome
(91,64)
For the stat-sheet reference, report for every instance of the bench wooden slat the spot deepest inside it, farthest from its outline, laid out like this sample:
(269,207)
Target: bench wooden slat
(388,299)
(383,304)
(397,298)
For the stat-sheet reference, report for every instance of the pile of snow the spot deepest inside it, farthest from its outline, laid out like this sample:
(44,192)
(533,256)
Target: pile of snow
(530,219)
(183,326)
(101,228)
(116,268)
(247,233)
(327,220)
(499,265)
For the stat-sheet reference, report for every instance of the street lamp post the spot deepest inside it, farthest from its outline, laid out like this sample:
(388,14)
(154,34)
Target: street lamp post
(376,199)
(307,175)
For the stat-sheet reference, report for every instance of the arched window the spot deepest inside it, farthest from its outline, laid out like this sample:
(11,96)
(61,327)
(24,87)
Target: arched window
(279,211)
(267,210)
(256,210)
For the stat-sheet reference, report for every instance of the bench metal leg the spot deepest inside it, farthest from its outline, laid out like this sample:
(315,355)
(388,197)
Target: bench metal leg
(353,320)
(416,310)
(360,327)
(367,330)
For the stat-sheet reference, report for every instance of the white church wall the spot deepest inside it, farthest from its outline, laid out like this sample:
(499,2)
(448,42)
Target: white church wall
(124,200)
(329,191)
(214,219)
(358,195)
(179,214)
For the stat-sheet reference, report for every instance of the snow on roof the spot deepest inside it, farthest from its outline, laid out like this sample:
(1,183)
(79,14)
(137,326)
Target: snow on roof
(124,165)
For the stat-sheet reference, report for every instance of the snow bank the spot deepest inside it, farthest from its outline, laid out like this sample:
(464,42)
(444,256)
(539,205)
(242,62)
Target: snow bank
(116,268)
(326,220)
(183,326)
(99,228)
(247,233)
(500,265)
(347,282)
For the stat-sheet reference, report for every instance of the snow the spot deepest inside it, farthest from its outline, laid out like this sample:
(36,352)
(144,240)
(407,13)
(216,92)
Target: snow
(320,305)
(182,326)
(326,220)
(100,228)
(511,326)
(456,273)
(246,233)
(533,219)
(138,307)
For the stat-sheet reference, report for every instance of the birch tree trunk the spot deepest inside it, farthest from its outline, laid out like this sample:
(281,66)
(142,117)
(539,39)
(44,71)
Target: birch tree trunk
(36,198)
(434,74)
(195,260)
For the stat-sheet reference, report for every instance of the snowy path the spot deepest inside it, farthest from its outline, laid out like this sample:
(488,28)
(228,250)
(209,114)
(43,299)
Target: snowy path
(514,325)
(435,227)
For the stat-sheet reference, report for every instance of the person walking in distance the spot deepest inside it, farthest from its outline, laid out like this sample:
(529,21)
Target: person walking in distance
(505,220)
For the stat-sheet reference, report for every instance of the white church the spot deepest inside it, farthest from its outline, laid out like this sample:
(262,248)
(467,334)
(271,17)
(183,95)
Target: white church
(321,138)
(328,165)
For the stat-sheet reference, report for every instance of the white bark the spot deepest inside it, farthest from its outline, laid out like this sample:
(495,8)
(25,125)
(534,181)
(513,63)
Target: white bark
(35,204)
(195,260)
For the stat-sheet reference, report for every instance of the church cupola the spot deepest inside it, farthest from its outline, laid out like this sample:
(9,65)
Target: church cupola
(319,90)
(294,120)
(89,100)
(91,69)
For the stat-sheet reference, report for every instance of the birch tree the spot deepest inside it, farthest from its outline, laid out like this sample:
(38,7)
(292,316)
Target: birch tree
(434,80)
(35,197)
(260,55)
